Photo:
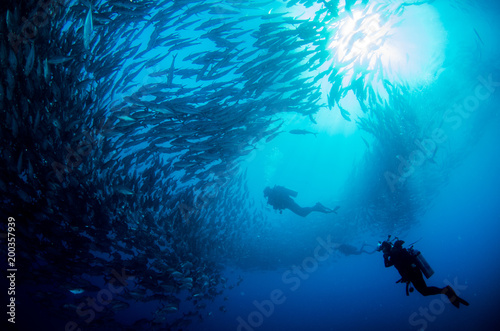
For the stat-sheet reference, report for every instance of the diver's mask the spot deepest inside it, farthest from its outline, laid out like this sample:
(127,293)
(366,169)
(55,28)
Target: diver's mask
(384,246)
(379,246)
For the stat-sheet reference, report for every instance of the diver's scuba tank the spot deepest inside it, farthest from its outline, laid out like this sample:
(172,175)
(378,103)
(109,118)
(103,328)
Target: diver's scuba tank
(286,191)
(421,263)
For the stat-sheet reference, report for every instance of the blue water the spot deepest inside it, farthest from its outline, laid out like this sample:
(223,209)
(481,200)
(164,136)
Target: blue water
(459,239)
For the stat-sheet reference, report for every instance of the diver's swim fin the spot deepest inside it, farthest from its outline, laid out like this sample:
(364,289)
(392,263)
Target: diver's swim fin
(452,296)
(326,210)
(456,301)
(319,207)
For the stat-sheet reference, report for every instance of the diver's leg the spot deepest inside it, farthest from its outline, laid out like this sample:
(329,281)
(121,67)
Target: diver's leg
(301,211)
(432,290)
(429,290)
(419,283)
(453,297)
(362,251)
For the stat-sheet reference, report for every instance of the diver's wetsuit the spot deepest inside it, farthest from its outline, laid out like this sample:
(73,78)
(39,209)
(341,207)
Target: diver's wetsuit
(280,199)
(402,260)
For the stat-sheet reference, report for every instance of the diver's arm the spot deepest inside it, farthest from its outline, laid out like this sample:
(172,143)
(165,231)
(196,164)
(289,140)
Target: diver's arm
(283,191)
(362,249)
(372,252)
(387,261)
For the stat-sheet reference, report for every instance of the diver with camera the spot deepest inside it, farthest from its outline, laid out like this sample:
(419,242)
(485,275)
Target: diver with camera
(411,264)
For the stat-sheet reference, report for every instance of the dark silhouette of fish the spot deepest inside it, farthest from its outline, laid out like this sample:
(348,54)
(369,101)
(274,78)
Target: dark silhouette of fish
(303,132)
(477,34)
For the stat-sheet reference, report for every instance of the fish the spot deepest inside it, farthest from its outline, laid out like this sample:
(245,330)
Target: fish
(478,36)
(10,20)
(171,72)
(124,190)
(154,61)
(146,176)
(366,142)
(345,114)
(59,59)
(120,305)
(171,308)
(274,135)
(311,118)
(30,60)
(303,132)
(88,29)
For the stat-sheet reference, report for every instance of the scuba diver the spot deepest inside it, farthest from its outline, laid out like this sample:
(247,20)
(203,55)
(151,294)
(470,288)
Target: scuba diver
(411,264)
(347,249)
(280,198)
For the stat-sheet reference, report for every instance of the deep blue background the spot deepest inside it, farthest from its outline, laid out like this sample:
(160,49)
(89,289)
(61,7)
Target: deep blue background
(459,239)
